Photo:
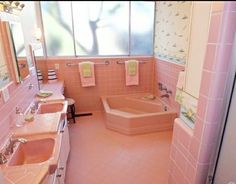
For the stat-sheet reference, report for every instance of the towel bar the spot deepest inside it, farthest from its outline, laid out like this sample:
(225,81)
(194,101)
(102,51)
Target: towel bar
(100,63)
(122,62)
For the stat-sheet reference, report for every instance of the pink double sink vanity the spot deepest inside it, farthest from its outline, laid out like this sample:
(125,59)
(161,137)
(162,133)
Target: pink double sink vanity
(37,152)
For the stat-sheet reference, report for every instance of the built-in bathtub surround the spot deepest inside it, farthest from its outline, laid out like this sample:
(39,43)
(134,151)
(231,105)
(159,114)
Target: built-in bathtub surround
(20,94)
(192,149)
(110,79)
(136,114)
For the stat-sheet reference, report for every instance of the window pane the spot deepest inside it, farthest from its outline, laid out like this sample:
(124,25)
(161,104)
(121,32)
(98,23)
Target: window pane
(57,24)
(142,27)
(101,27)
(18,39)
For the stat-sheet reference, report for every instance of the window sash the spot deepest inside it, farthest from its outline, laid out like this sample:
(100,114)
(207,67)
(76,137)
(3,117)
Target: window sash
(101,56)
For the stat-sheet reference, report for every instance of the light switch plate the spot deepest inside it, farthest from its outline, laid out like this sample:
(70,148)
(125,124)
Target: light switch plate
(56,66)
(5,94)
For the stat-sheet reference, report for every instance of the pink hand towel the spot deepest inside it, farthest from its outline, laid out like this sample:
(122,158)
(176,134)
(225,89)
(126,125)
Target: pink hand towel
(85,80)
(129,77)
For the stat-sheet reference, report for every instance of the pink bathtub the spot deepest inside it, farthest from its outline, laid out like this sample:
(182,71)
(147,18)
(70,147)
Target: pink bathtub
(132,114)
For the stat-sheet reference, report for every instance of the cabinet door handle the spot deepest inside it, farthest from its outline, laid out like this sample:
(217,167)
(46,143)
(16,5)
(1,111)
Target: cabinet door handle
(59,175)
(62,131)
(61,168)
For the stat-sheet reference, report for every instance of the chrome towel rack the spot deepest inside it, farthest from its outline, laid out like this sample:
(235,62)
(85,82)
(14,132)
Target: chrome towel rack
(97,63)
(122,62)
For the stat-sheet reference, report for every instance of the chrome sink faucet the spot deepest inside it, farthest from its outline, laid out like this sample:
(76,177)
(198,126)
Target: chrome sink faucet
(11,144)
(3,158)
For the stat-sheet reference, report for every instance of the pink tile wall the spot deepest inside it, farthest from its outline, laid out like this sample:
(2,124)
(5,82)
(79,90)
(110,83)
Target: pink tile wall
(167,73)
(195,148)
(20,95)
(110,80)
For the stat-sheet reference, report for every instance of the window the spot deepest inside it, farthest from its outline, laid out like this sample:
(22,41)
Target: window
(142,31)
(98,28)
(101,28)
(58,30)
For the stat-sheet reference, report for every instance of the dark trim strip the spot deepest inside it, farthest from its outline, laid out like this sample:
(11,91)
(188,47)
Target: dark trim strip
(84,114)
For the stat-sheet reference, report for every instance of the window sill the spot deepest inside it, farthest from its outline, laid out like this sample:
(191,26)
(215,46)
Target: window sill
(92,57)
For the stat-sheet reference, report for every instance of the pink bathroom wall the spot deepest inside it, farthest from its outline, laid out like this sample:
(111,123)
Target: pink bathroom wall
(167,74)
(192,149)
(110,79)
(20,95)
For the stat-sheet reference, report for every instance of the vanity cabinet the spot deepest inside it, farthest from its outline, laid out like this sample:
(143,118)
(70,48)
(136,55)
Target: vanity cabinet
(64,153)
(59,176)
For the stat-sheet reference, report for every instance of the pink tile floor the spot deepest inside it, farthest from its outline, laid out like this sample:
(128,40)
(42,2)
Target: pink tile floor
(101,156)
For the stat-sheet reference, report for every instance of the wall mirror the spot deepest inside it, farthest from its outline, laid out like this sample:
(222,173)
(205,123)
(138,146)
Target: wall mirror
(4,73)
(36,49)
(16,36)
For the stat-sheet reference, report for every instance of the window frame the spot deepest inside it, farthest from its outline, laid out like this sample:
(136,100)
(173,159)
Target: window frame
(45,54)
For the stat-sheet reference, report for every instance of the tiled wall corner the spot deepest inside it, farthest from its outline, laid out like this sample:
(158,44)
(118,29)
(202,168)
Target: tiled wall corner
(212,95)
(167,73)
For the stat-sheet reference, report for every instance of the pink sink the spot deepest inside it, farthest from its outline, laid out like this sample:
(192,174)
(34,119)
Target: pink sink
(39,149)
(52,107)
(35,151)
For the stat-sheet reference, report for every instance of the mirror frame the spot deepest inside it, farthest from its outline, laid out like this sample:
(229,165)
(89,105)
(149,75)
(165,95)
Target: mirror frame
(33,60)
(22,66)
(4,59)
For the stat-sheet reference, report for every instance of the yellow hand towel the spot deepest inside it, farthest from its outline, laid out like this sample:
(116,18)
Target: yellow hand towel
(86,69)
(132,67)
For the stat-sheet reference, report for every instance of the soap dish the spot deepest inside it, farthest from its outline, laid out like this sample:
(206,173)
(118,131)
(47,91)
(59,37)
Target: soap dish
(149,97)
(44,94)
(29,118)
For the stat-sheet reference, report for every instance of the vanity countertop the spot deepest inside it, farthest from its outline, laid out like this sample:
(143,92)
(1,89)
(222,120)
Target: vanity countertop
(43,124)
(56,87)
(34,173)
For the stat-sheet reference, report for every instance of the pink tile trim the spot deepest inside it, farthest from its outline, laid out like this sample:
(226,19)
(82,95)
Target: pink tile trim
(228,28)
(210,57)
(205,83)
(214,111)
(214,28)
(211,104)
(217,6)
(223,54)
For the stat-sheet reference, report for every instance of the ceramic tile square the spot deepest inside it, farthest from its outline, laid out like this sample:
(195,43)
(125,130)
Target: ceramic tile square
(214,28)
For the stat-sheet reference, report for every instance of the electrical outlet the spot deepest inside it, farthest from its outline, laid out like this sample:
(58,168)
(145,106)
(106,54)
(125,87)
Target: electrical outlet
(56,66)
(5,95)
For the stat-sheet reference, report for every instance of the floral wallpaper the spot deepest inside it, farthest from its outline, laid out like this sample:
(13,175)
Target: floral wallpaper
(188,108)
(172,30)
